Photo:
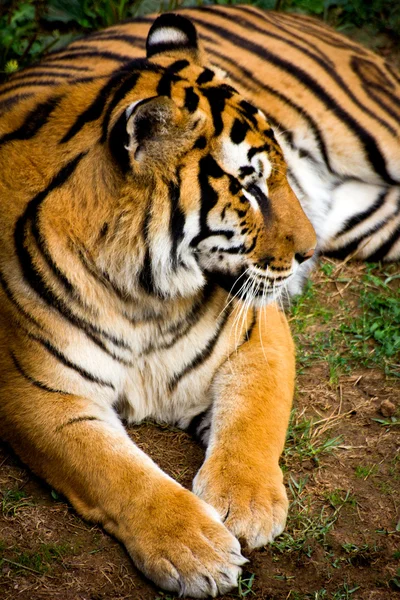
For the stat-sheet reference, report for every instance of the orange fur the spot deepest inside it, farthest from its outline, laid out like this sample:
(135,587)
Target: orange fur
(114,260)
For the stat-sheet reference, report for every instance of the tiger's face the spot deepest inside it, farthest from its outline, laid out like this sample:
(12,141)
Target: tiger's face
(217,201)
(254,238)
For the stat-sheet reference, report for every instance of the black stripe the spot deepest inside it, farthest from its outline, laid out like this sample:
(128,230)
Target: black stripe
(33,381)
(217,97)
(299,109)
(371,148)
(312,28)
(262,200)
(352,246)
(119,78)
(239,131)
(9,103)
(35,279)
(362,216)
(110,36)
(294,183)
(118,143)
(103,278)
(281,25)
(324,62)
(386,247)
(199,425)
(54,268)
(376,85)
(243,172)
(181,329)
(16,304)
(69,68)
(257,150)
(93,112)
(126,86)
(177,218)
(17,86)
(376,94)
(208,167)
(200,143)
(146,277)
(191,100)
(165,84)
(251,326)
(248,110)
(41,73)
(78,420)
(202,356)
(205,76)
(170,76)
(72,53)
(67,363)
(392,72)
(241,249)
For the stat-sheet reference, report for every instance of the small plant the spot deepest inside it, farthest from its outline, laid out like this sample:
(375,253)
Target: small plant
(13,500)
(304,441)
(338,498)
(365,471)
(245,584)
(307,527)
(39,561)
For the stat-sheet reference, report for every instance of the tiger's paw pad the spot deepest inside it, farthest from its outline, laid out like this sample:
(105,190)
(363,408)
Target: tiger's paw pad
(254,508)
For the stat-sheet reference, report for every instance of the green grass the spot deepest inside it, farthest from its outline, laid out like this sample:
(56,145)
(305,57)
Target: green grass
(365,471)
(245,584)
(338,498)
(304,441)
(366,334)
(345,592)
(13,500)
(39,561)
(308,524)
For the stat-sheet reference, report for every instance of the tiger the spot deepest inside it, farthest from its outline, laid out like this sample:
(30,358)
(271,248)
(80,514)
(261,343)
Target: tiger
(332,103)
(148,231)
(168,310)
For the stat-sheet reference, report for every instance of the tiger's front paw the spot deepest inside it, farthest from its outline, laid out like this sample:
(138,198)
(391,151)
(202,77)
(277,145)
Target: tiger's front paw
(251,500)
(179,542)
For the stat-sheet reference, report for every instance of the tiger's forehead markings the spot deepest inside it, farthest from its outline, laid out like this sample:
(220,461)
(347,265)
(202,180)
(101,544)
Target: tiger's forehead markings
(170,76)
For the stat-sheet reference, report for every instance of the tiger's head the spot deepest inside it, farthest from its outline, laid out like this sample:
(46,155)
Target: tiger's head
(202,167)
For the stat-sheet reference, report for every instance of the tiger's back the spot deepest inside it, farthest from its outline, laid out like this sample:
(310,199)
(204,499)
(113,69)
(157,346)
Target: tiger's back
(334,103)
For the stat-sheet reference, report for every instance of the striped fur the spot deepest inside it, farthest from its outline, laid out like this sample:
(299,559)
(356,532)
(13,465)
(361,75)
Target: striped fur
(147,227)
(334,105)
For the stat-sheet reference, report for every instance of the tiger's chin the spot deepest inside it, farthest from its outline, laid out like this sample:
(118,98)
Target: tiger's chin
(255,291)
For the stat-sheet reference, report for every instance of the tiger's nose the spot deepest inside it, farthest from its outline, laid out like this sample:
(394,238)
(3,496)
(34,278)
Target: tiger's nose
(301,257)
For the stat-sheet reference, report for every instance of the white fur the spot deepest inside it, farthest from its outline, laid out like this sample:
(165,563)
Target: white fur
(167,35)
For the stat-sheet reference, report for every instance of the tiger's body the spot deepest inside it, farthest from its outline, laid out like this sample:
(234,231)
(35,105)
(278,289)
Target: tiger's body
(136,195)
(134,199)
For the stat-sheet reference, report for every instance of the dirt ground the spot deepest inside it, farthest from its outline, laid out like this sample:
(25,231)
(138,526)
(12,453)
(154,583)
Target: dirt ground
(342,469)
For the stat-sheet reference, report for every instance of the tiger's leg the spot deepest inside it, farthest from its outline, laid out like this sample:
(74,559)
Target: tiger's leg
(252,398)
(82,450)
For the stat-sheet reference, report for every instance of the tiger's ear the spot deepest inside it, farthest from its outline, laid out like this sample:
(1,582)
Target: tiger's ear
(173,34)
(156,128)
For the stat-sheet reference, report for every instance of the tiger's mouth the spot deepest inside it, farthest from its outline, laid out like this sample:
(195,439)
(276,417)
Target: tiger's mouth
(250,286)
